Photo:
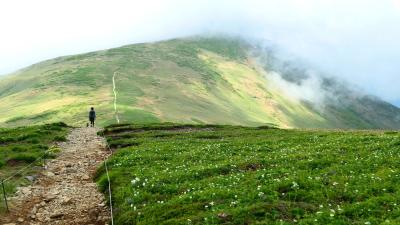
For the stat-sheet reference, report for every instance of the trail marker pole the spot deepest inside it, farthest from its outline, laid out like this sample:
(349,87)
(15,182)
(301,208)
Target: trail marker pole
(4,195)
(44,160)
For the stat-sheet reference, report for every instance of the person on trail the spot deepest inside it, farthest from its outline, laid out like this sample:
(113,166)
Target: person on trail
(92,116)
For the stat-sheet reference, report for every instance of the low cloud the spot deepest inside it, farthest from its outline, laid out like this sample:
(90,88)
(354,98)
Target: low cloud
(309,89)
(356,41)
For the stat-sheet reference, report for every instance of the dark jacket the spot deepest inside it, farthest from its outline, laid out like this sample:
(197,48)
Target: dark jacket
(92,114)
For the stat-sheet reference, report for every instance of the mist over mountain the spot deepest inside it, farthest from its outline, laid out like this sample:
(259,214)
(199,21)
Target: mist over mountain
(202,79)
(355,41)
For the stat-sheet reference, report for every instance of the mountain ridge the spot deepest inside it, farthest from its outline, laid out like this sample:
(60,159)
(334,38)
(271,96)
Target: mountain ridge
(221,80)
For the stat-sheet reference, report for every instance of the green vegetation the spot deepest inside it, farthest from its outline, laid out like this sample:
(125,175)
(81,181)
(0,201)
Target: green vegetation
(203,174)
(199,80)
(26,145)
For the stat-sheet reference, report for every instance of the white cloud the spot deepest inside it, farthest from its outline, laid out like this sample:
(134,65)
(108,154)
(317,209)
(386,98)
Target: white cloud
(353,39)
(309,90)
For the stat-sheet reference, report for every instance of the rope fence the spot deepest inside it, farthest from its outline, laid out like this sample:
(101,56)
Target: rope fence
(109,183)
(4,195)
(18,173)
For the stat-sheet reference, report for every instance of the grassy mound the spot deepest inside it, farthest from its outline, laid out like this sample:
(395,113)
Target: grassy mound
(177,174)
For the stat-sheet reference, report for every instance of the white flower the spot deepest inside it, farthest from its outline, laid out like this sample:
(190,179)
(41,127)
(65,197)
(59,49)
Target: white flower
(295,185)
(134,181)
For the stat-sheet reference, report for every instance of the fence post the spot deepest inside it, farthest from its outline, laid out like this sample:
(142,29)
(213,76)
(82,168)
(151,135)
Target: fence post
(4,195)
(44,159)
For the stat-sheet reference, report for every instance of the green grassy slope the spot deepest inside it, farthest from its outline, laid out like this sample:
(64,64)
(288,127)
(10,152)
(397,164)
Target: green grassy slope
(177,174)
(192,80)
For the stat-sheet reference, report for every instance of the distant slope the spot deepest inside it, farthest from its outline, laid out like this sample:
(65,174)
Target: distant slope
(192,80)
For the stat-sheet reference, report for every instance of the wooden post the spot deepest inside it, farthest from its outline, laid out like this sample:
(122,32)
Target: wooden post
(5,196)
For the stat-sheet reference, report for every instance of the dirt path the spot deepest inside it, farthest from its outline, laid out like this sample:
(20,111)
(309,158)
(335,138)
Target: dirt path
(115,97)
(65,193)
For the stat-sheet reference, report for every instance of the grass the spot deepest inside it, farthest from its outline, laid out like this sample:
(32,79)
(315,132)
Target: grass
(25,145)
(188,174)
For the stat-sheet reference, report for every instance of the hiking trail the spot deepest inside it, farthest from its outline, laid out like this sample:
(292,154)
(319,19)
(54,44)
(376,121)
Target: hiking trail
(65,192)
(115,97)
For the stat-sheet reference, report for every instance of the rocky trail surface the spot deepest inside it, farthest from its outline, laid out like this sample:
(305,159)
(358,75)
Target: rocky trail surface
(65,192)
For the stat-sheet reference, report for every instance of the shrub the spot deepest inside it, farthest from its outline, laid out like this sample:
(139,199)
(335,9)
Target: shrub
(34,141)
(24,157)
(2,163)
(60,138)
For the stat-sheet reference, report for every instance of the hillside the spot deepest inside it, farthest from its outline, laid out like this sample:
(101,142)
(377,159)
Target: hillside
(192,80)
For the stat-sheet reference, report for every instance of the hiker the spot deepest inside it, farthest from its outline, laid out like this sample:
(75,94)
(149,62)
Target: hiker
(92,116)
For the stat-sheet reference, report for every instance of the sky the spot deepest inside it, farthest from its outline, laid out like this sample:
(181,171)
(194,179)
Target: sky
(357,41)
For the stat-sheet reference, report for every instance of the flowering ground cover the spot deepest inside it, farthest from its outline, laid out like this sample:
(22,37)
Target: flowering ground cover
(186,174)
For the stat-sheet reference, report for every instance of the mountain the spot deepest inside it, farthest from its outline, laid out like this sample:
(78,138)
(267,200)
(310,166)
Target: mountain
(220,80)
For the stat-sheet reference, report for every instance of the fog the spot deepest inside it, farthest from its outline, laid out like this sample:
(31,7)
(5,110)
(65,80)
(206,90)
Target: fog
(310,89)
(357,41)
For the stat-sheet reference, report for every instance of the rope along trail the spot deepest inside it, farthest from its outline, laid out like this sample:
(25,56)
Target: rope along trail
(65,193)
(115,97)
